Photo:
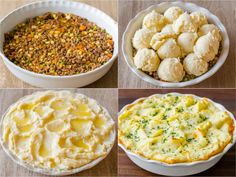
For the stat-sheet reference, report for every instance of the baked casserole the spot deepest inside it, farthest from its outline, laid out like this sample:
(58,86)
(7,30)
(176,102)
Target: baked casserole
(175,128)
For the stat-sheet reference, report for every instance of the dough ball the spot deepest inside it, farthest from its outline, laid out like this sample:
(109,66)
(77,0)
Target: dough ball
(173,13)
(206,47)
(142,38)
(146,60)
(159,39)
(169,49)
(186,41)
(184,24)
(171,70)
(204,29)
(198,18)
(167,29)
(154,21)
(194,65)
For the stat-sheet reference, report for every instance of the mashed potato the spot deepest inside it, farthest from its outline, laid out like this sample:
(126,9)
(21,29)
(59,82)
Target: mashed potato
(173,13)
(57,130)
(186,41)
(184,38)
(184,24)
(160,38)
(198,18)
(154,21)
(142,38)
(207,47)
(167,29)
(209,28)
(194,65)
(169,49)
(146,60)
(171,70)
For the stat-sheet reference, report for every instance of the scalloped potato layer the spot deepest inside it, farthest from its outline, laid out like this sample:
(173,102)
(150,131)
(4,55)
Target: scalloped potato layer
(175,129)
(57,130)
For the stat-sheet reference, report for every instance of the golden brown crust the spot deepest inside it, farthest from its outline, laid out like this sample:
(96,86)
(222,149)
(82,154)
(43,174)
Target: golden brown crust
(187,158)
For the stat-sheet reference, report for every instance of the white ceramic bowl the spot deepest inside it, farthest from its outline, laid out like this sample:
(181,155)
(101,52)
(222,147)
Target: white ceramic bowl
(178,169)
(77,8)
(136,23)
(110,141)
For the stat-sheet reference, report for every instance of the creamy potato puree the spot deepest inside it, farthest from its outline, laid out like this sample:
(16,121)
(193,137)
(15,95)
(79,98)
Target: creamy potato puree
(57,130)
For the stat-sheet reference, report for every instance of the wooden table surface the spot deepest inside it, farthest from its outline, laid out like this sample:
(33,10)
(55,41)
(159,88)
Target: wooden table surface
(107,167)
(225,167)
(225,10)
(8,80)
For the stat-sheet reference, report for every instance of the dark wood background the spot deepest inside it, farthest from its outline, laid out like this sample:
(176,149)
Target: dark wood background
(227,97)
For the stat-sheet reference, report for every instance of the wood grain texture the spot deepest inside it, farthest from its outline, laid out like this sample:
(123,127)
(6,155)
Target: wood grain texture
(226,97)
(224,10)
(8,80)
(107,167)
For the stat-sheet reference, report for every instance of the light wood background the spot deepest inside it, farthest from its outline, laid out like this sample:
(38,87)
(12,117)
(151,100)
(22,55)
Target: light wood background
(226,97)
(8,80)
(107,167)
(224,10)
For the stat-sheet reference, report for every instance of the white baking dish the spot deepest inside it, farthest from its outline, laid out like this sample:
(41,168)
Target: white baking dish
(38,8)
(136,23)
(178,169)
(110,141)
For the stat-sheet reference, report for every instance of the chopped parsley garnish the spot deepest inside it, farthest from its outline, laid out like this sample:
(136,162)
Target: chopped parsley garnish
(164,140)
(144,122)
(129,136)
(189,140)
(180,109)
(168,109)
(164,117)
(133,136)
(172,133)
(176,100)
(203,118)
(155,113)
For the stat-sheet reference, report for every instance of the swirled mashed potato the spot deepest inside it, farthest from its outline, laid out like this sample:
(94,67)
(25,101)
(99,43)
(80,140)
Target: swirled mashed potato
(186,41)
(207,46)
(184,24)
(154,21)
(171,70)
(146,60)
(175,128)
(194,65)
(198,19)
(173,13)
(57,130)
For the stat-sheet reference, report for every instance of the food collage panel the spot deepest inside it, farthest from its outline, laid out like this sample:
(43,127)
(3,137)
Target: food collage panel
(117,88)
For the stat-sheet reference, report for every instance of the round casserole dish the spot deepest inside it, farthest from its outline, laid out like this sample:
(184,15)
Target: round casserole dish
(110,140)
(178,169)
(136,23)
(38,8)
